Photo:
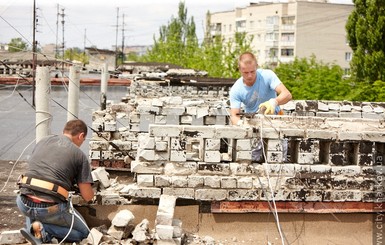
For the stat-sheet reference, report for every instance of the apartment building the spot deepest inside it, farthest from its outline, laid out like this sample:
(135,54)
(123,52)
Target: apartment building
(283,31)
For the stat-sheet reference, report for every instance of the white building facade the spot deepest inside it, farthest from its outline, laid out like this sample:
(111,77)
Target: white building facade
(283,31)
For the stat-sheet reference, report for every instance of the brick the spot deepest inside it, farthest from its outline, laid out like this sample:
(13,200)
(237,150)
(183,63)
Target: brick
(178,156)
(180,169)
(11,237)
(212,181)
(210,194)
(212,157)
(232,132)
(244,195)
(146,167)
(195,181)
(212,144)
(228,182)
(243,155)
(165,131)
(179,181)
(214,168)
(184,193)
(245,183)
(243,145)
(241,168)
(162,181)
(146,180)
(140,192)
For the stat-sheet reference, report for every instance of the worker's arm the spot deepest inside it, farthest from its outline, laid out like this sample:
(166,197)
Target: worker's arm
(284,94)
(86,191)
(234,115)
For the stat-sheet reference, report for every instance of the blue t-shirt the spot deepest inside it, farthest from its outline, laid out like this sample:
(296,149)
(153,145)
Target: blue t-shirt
(251,97)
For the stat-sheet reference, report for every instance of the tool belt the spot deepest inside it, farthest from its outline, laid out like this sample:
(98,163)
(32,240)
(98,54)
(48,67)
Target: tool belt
(43,185)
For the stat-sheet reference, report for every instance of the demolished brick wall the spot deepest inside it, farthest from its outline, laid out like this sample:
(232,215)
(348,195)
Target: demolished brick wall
(178,141)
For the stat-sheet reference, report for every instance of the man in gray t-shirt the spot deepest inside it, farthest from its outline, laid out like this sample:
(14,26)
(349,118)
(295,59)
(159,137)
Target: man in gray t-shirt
(56,165)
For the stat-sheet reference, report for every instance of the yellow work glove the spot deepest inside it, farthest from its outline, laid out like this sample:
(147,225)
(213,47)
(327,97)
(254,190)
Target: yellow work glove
(269,105)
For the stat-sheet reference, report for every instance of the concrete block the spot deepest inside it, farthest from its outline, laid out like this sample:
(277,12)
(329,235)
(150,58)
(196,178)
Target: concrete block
(376,136)
(221,120)
(186,119)
(180,169)
(177,156)
(212,156)
(210,194)
(11,237)
(145,121)
(212,181)
(321,134)
(183,193)
(161,146)
(292,132)
(147,167)
(232,132)
(274,157)
(244,195)
(146,155)
(98,145)
(213,168)
(209,120)
(199,131)
(245,183)
(165,130)
(123,218)
(195,181)
(202,111)
(162,181)
(241,169)
(243,155)
(212,144)
(179,181)
(146,180)
(228,182)
(327,114)
(160,119)
(102,176)
(164,232)
(308,158)
(197,121)
(134,190)
(110,126)
(243,145)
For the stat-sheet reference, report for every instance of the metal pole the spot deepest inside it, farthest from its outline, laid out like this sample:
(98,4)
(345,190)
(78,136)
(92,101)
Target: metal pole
(43,92)
(103,86)
(73,93)
(34,58)
(116,38)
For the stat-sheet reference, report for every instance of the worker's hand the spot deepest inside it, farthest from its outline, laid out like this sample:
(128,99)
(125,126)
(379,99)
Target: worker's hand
(269,105)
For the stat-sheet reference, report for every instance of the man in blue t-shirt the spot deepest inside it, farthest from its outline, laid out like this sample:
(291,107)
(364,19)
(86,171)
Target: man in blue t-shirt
(255,89)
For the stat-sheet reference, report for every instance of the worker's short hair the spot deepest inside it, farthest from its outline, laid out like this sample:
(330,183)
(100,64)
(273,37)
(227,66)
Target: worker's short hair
(75,127)
(247,58)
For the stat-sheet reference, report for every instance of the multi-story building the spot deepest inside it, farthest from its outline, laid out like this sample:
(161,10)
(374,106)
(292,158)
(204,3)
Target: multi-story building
(283,31)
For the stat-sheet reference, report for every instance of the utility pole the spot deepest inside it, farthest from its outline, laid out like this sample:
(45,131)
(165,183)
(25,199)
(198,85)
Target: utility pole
(123,39)
(116,38)
(34,57)
(62,22)
(57,32)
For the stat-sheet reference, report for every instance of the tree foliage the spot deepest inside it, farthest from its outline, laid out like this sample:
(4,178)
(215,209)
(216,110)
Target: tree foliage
(178,44)
(309,79)
(17,45)
(73,54)
(366,34)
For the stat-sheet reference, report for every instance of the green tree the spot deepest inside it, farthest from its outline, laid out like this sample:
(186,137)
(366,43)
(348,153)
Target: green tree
(308,79)
(366,34)
(73,54)
(17,45)
(177,42)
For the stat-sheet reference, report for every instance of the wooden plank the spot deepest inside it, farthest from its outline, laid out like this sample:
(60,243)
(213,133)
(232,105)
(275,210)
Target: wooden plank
(297,207)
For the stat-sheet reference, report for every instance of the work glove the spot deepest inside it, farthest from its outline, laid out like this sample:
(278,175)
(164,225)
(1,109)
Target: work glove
(269,106)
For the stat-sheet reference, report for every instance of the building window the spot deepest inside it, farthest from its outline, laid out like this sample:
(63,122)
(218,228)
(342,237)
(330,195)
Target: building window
(287,37)
(224,28)
(348,56)
(287,52)
(230,27)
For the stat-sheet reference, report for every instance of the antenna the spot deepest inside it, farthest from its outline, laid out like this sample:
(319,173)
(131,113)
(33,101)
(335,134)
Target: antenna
(123,39)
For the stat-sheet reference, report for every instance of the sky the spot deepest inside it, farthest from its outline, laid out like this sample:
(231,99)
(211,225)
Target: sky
(93,22)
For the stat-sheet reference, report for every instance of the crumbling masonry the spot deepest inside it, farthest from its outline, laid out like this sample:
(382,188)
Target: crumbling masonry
(177,139)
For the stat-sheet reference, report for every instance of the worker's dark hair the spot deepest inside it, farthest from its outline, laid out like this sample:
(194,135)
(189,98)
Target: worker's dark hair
(246,58)
(75,127)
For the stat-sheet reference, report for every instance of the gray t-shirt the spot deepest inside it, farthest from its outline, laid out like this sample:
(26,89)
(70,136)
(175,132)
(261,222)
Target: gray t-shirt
(58,160)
